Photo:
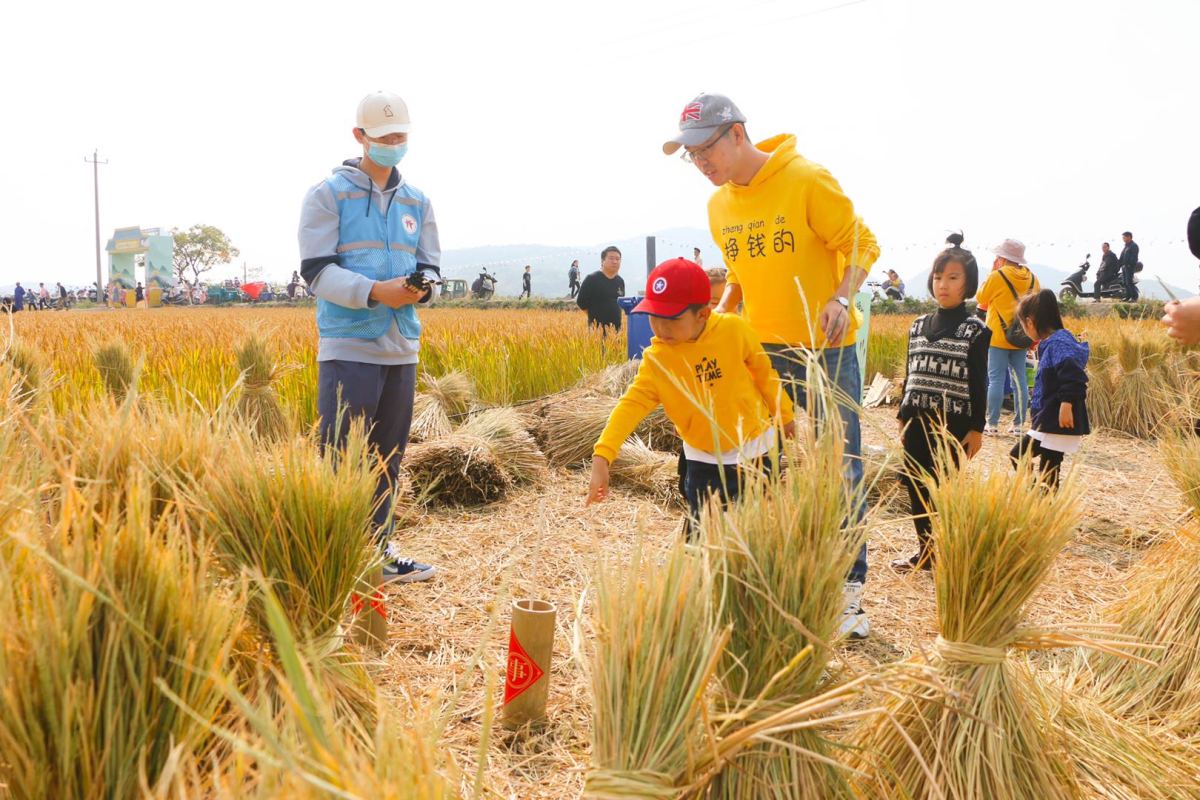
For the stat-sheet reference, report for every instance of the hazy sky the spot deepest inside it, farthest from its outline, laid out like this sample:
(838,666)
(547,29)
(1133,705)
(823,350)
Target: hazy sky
(1060,123)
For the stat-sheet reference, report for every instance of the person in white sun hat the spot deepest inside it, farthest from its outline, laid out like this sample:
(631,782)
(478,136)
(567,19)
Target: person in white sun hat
(1009,281)
(369,252)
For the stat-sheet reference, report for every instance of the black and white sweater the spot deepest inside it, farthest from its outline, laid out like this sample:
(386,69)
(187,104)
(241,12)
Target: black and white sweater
(947,370)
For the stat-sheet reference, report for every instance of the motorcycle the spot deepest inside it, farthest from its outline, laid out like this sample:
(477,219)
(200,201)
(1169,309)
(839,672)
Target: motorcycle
(483,287)
(1113,287)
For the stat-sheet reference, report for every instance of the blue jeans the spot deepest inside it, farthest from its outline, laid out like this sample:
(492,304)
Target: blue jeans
(841,365)
(1001,361)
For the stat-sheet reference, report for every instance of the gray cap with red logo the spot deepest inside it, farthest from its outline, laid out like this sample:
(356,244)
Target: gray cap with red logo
(701,119)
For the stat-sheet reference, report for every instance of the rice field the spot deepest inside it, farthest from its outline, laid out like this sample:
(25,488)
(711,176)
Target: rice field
(181,575)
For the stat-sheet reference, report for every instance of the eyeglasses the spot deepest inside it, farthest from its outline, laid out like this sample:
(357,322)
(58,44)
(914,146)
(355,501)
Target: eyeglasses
(701,153)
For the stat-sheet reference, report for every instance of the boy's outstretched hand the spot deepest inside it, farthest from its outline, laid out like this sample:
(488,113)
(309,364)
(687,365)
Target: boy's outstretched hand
(598,487)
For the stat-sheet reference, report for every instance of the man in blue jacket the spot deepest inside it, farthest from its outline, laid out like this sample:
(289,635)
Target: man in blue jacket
(369,253)
(19,297)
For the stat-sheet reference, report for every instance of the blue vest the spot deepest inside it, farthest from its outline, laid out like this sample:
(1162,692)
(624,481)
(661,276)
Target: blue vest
(378,247)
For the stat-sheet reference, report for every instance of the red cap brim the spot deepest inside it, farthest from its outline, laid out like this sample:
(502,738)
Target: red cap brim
(657,308)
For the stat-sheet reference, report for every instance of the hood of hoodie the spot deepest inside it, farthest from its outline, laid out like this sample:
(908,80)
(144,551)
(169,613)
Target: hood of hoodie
(1063,346)
(349,169)
(782,150)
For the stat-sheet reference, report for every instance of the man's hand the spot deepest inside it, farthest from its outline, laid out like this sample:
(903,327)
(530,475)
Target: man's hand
(834,322)
(729,299)
(598,487)
(1066,416)
(395,293)
(973,443)
(1182,319)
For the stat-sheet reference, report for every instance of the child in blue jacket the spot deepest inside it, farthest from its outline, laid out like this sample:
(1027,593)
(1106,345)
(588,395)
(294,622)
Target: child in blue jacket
(1059,406)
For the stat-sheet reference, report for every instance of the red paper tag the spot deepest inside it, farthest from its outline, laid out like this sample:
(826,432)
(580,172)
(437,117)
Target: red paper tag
(522,671)
(356,604)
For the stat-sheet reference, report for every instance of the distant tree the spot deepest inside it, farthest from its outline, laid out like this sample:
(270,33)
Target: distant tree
(198,250)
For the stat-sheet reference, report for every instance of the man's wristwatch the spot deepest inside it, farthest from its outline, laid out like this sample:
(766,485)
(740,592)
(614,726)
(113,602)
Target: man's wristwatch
(844,301)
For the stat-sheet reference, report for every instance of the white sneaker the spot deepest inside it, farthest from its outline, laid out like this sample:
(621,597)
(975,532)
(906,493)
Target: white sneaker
(854,624)
(991,430)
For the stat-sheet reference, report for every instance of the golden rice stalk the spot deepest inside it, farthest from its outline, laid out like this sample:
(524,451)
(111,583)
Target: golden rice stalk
(641,469)
(506,432)
(1116,758)
(657,647)
(781,559)
(987,733)
(258,406)
(29,367)
(570,423)
(116,367)
(454,392)
(307,749)
(457,470)
(1162,608)
(299,517)
(117,615)
(429,421)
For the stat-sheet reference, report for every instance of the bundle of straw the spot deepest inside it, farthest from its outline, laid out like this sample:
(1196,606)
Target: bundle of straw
(782,558)
(568,426)
(108,620)
(986,733)
(429,420)
(299,517)
(258,406)
(457,470)
(454,392)
(116,367)
(1162,608)
(506,432)
(648,471)
(28,368)
(657,649)
(613,380)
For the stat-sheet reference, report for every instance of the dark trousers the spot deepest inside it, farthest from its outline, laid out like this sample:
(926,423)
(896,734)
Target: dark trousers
(703,481)
(1050,460)
(920,460)
(382,396)
(1127,281)
(574,287)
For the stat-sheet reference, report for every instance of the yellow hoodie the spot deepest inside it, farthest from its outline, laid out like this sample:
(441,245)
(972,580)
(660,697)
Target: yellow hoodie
(792,224)
(998,299)
(723,377)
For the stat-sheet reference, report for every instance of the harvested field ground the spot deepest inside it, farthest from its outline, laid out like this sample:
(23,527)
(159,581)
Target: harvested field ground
(542,543)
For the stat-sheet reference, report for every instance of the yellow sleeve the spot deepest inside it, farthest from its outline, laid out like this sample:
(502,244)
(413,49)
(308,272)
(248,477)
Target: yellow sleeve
(766,379)
(831,216)
(638,401)
(984,296)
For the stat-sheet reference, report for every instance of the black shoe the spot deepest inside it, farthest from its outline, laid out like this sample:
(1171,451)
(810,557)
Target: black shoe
(405,570)
(922,561)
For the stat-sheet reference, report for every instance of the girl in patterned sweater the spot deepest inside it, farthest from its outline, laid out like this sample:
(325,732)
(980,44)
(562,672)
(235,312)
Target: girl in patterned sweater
(945,390)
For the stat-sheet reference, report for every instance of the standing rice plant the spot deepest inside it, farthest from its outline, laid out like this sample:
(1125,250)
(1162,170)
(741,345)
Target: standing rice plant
(782,558)
(306,749)
(104,617)
(987,734)
(258,406)
(506,432)
(300,517)
(115,365)
(657,648)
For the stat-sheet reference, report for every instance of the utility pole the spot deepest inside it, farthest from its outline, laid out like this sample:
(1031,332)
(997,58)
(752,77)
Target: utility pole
(96,162)
(651,258)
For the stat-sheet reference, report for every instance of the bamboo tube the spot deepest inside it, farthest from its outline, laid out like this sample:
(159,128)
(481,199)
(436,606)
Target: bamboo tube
(370,614)
(527,676)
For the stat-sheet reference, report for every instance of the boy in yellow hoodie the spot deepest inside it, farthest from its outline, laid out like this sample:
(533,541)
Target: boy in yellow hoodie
(712,377)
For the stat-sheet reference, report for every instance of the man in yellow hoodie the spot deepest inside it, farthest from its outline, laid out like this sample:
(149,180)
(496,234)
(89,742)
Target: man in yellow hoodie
(796,252)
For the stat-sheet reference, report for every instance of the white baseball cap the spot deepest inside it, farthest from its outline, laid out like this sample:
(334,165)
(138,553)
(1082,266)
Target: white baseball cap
(382,113)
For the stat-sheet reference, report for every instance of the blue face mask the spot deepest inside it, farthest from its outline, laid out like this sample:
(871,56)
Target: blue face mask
(387,155)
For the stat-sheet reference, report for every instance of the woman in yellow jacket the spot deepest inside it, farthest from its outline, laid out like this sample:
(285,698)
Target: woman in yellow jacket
(1010,280)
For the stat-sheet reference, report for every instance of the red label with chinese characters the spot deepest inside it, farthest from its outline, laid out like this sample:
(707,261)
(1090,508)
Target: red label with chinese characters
(522,671)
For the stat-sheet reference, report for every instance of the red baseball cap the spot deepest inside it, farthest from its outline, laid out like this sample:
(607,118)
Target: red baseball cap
(672,287)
